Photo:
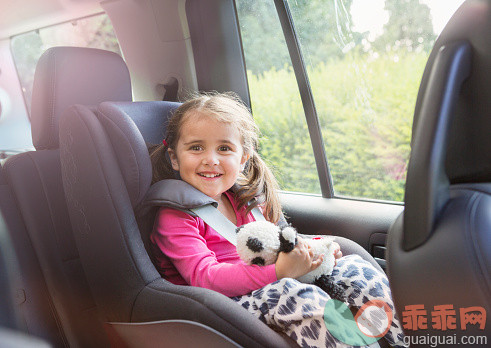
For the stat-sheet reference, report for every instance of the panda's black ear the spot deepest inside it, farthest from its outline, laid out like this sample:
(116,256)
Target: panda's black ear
(288,239)
(239,228)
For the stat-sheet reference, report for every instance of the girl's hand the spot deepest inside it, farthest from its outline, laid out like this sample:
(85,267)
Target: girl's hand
(297,262)
(337,253)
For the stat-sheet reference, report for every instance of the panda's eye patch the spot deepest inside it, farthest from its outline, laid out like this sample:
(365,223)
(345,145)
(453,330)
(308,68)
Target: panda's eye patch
(258,261)
(254,244)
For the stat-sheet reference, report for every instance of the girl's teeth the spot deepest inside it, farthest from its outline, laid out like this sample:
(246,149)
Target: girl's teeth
(209,175)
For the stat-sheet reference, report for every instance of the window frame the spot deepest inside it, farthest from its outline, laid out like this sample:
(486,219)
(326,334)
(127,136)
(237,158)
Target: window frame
(306,95)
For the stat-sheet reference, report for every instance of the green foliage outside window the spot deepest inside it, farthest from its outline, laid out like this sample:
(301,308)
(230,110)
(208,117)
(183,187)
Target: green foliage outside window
(364,93)
(367,151)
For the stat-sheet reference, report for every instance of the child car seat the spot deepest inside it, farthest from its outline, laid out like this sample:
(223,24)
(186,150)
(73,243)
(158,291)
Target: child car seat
(106,174)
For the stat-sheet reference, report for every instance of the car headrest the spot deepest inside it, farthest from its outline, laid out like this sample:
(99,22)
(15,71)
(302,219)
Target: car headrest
(129,126)
(73,75)
(468,158)
(150,117)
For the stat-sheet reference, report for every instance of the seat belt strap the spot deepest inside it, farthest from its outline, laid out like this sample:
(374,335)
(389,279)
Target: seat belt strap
(258,216)
(216,220)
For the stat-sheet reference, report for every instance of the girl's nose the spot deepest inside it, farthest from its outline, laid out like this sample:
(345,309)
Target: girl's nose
(210,158)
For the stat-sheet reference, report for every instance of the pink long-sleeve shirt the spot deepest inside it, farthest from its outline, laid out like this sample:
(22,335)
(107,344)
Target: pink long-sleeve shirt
(189,252)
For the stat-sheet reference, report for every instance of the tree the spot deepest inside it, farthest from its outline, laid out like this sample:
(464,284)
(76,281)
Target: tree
(323,28)
(409,27)
(102,35)
(26,50)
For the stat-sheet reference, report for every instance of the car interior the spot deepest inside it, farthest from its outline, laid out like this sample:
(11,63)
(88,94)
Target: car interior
(75,270)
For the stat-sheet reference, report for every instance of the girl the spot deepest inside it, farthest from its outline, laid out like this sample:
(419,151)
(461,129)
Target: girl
(211,143)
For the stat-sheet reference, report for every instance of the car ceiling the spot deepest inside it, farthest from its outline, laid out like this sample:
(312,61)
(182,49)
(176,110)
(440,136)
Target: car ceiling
(156,46)
(20,16)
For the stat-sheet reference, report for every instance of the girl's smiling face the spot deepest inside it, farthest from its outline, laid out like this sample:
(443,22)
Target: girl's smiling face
(209,154)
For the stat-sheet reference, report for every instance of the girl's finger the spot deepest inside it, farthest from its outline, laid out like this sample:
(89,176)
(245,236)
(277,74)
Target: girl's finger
(337,248)
(317,262)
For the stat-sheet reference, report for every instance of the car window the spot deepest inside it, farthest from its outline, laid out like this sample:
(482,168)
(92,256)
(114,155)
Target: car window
(364,60)
(94,31)
(275,98)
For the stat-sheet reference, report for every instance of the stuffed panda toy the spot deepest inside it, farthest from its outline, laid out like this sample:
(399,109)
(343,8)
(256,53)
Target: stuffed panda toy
(259,242)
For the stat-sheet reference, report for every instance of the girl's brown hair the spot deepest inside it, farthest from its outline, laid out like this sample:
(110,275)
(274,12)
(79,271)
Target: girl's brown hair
(256,184)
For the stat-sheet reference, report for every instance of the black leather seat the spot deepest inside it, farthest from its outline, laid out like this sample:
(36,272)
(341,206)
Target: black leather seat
(64,76)
(32,300)
(11,331)
(439,249)
(8,268)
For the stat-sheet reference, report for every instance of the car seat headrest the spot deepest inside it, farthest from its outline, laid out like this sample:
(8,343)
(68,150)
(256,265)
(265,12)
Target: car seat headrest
(150,117)
(468,158)
(73,75)
(128,126)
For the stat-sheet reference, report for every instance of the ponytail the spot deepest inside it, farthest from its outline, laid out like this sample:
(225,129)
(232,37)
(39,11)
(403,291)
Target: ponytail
(161,166)
(259,187)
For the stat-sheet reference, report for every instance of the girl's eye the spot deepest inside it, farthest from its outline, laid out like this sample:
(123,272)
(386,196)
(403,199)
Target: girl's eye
(224,148)
(195,148)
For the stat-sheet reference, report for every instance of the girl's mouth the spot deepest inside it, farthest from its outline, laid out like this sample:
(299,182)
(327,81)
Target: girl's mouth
(209,175)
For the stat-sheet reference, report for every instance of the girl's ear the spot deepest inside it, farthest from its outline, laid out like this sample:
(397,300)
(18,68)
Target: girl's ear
(173,159)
